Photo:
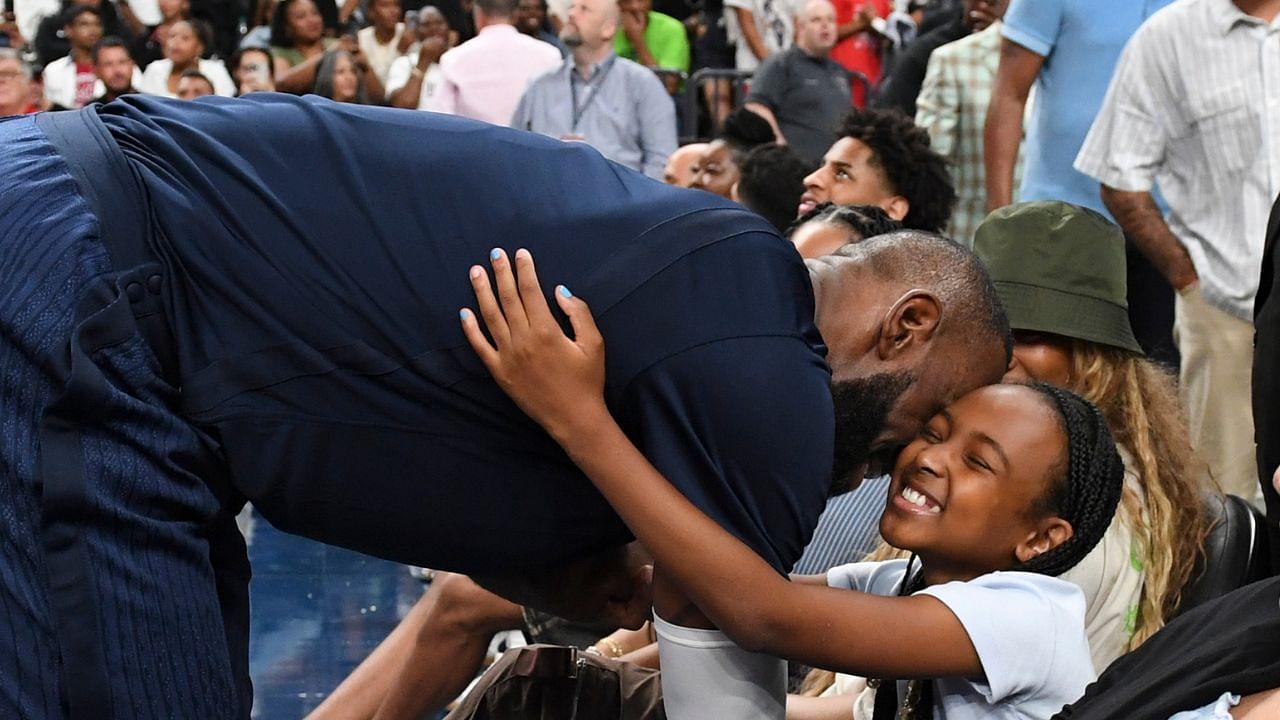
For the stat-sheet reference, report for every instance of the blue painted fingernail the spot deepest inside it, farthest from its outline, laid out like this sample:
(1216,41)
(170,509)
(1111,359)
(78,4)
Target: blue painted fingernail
(564,292)
(464,313)
(494,254)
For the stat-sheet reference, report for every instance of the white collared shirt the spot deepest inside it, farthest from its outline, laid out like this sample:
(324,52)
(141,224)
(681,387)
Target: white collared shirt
(155,80)
(1195,107)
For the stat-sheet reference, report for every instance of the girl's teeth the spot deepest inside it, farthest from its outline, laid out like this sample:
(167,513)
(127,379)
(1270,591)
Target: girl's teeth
(919,500)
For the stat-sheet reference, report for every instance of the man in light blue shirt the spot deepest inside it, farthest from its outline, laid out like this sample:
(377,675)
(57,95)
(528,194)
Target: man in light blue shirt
(1068,50)
(613,104)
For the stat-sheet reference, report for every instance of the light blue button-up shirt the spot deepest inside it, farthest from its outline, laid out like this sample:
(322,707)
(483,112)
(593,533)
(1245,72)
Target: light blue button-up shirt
(622,110)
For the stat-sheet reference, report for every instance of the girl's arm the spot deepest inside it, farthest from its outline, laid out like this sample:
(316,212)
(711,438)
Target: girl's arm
(836,707)
(559,382)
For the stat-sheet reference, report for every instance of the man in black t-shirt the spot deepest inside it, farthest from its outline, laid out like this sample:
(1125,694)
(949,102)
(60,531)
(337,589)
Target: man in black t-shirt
(802,92)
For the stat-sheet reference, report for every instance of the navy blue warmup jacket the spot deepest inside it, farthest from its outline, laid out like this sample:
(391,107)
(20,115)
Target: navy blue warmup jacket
(316,256)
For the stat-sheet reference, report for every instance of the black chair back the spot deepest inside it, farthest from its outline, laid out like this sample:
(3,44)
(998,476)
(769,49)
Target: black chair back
(1236,552)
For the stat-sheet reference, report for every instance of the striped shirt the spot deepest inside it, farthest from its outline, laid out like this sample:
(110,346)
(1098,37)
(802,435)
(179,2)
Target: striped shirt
(848,530)
(1195,106)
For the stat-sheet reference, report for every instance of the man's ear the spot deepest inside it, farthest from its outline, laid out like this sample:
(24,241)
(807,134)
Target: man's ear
(896,207)
(909,325)
(1052,532)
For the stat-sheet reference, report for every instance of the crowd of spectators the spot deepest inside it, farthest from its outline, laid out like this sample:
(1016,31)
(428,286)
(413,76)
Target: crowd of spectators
(1155,124)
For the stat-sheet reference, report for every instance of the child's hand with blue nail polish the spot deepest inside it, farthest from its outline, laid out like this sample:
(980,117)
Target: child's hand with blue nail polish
(557,380)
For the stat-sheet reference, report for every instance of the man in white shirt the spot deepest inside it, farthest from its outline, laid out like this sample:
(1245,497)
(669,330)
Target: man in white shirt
(484,77)
(385,39)
(1195,106)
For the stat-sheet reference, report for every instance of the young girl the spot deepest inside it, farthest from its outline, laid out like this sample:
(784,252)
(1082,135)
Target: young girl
(1003,490)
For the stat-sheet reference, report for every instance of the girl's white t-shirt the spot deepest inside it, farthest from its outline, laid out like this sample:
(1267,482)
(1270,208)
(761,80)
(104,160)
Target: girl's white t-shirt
(1028,630)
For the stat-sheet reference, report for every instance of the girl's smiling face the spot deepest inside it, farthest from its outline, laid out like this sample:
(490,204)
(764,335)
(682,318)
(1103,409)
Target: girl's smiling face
(972,493)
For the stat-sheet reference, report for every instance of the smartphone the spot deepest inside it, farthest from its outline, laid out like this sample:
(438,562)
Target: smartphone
(411,20)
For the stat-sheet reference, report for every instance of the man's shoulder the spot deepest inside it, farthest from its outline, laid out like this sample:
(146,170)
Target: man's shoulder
(970,47)
(780,59)
(60,64)
(544,81)
(633,70)
(1179,17)
(533,45)
(835,69)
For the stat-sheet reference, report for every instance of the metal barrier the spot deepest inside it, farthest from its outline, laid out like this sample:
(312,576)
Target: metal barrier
(672,80)
(739,83)
(739,86)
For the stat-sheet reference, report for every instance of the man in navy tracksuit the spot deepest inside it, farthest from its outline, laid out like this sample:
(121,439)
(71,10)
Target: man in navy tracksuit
(202,303)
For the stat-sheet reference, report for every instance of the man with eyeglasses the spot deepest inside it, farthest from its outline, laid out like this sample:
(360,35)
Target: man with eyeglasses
(15,84)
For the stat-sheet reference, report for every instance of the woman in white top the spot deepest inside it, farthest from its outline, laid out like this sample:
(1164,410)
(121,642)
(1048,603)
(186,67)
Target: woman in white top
(1133,581)
(1008,487)
(186,43)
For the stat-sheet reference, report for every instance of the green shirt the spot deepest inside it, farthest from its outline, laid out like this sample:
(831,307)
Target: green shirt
(293,55)
(666,39)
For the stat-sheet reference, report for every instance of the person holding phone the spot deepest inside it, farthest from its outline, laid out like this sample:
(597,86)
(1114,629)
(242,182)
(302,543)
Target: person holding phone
(252,68)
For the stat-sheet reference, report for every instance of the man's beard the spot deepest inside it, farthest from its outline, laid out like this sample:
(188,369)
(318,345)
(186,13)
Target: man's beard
(571,38)
(861,407)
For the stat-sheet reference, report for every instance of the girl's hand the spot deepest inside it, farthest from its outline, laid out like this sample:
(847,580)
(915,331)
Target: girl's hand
(558,381)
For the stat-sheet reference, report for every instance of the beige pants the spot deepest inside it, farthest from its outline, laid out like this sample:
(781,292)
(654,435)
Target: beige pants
(1215,383)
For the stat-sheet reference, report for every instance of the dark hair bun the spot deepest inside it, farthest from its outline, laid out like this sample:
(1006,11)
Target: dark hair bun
(745,129)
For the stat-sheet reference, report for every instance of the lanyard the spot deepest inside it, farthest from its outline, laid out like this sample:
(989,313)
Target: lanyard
(594,86)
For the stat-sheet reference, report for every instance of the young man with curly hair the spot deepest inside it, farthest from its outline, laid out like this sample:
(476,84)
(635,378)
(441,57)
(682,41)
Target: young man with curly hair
(881,158)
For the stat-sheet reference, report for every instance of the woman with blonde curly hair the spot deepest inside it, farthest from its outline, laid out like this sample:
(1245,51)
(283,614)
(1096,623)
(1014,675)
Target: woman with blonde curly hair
(1059,269)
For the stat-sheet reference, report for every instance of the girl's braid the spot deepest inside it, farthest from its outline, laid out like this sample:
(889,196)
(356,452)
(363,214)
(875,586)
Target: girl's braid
(1094,480)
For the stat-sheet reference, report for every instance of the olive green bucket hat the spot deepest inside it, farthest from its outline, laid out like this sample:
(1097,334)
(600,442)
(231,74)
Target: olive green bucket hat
(1058,268)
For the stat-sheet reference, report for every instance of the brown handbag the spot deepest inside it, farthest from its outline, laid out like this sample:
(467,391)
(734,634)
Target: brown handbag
(550,682)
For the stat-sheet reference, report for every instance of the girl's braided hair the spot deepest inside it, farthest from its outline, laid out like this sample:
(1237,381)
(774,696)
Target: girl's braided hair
(1090,491)
(1086,496)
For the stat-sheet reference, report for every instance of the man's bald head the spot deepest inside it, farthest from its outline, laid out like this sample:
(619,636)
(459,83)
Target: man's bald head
(590,25)
(917,259)
(912,322)
(816,28)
